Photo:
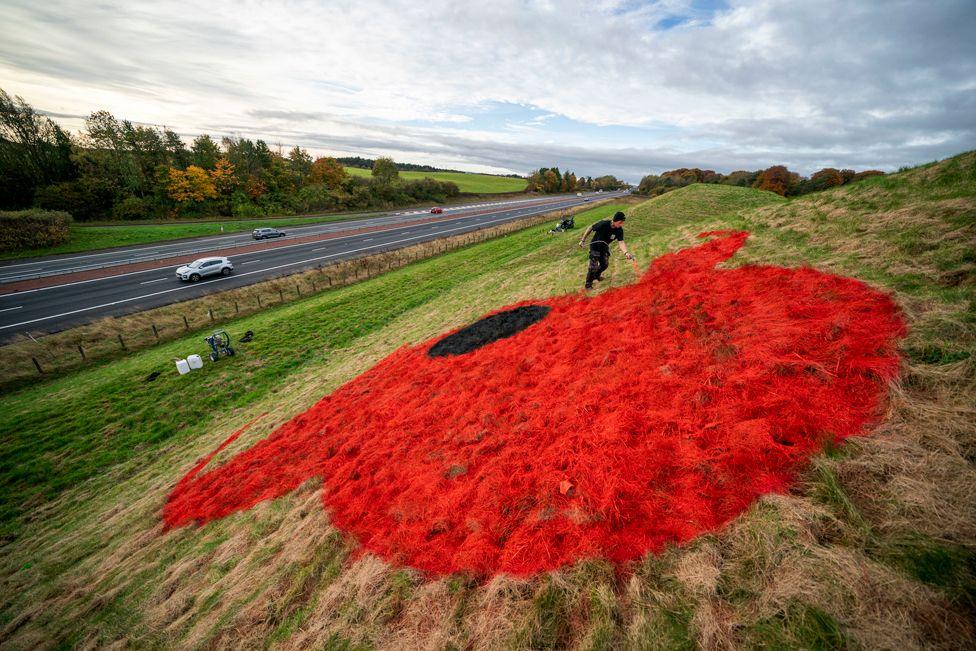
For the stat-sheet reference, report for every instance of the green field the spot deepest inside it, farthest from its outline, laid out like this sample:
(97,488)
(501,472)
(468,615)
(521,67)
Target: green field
(874,548)
(466,182)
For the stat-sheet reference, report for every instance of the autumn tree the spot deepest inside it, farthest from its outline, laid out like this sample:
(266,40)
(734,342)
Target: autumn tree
(329,171)
(777,179)
(222,176)
(192,185)
(255,188)
(823,179)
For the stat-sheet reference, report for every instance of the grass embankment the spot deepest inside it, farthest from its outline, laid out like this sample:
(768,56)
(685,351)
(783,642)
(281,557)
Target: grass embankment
(466,182)
(874,548)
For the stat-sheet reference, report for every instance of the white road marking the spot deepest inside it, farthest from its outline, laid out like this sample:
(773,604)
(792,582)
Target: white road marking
(243,234)
(278,248)
(9,309)
(250,261)
(220,278)
(155,281)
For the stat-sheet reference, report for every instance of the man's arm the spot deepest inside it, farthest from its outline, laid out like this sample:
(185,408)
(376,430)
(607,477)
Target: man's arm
(585,233)
(623,248)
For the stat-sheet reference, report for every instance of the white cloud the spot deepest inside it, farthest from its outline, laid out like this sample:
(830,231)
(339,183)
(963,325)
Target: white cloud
(758,83)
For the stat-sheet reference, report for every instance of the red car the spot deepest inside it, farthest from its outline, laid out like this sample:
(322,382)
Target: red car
(436,211)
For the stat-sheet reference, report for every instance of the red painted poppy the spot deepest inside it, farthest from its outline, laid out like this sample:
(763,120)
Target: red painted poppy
(573,427)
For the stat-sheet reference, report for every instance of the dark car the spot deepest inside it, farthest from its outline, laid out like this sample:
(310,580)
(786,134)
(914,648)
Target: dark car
(262,233)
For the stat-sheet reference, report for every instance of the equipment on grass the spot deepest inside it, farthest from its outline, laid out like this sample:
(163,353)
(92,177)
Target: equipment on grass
(563,225)
(219,343)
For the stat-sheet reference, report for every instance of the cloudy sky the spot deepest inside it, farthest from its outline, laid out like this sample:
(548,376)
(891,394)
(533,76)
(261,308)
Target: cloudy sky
(597,86)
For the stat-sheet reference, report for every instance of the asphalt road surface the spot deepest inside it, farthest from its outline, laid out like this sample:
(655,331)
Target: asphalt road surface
(71,303)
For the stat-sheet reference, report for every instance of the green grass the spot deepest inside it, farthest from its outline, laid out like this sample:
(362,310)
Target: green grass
(800,627)
(466,182)
(699,201)
(89,238)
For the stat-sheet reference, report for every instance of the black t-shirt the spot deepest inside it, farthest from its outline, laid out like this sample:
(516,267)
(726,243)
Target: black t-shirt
(604,232)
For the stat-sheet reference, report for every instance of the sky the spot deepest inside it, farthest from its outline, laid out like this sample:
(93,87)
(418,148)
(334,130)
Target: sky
(597,86)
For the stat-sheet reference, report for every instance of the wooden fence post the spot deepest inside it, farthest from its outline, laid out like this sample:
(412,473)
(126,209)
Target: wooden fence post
(281,295)
(81,351)
(186,323)
(155,331)
(259,300)
(210,312)
(122,342)
(237,309)
(37,365)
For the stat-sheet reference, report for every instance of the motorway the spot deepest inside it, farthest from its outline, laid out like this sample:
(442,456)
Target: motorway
(72,302)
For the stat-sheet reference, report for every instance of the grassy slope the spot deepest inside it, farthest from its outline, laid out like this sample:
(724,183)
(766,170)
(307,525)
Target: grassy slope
(466,182)
(876,546)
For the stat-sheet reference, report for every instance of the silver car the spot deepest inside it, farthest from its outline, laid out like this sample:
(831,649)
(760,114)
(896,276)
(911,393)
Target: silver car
(262,233)
(205,267)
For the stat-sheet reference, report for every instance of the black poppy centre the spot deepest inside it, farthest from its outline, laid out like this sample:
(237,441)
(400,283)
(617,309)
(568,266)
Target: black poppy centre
(491,328)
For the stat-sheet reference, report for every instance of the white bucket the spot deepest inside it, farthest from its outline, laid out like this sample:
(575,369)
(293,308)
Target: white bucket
(194,361)
(182,366)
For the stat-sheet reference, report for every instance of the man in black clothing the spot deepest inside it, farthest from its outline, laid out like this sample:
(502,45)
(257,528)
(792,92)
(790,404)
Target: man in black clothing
(604,232)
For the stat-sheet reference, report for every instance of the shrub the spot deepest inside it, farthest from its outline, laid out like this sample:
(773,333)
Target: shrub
(132,208)
(85,199)
(32,229)
(315,198)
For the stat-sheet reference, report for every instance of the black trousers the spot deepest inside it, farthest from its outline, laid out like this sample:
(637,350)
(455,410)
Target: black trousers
(599,260)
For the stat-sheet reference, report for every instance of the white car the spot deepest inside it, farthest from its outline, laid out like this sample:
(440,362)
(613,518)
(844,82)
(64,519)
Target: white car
(205,267)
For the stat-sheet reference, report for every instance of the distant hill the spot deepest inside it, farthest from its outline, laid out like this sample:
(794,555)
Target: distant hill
(367,164)
(466,181)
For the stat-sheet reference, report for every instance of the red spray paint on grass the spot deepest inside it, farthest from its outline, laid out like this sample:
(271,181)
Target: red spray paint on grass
(668,406)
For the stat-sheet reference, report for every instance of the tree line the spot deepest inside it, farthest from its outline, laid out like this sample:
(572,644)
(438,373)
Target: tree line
(118,170)
(776,179)
(549,180)
(367,164)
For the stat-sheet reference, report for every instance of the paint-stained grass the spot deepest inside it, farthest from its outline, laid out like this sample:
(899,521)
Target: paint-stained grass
(873,548)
